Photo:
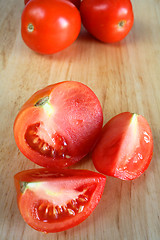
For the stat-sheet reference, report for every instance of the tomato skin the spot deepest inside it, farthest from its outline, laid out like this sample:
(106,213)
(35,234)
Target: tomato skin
(48,26)
(30,200)
(125,147)
(107,20)
(74,116)
(26,1)
(75,2)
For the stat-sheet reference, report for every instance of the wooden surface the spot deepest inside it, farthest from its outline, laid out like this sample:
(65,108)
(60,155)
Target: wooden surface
(126,77)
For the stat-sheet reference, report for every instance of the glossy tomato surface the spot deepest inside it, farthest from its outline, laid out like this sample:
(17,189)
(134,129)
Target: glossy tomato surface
(26,1)
(50,26)
(107,20)
(75,2)
(125,148)
(59,124)
(51,201)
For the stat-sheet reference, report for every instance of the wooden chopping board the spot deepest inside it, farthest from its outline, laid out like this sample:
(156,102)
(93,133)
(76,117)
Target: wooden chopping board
(125,77)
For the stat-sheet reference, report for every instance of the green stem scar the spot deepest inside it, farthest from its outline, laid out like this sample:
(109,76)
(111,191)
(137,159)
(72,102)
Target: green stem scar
(45,104)
(122,23)
(30,27)
(23,186)
(42,102)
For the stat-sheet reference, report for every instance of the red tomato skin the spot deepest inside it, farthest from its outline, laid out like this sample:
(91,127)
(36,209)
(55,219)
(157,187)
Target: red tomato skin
(75,2)
(26,1)
(103,19)
(124,151)
(77,178)
(48,26)
(80,134)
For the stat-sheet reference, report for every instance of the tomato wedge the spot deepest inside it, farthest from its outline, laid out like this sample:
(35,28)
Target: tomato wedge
(51,201)
(59,124)
(125,148)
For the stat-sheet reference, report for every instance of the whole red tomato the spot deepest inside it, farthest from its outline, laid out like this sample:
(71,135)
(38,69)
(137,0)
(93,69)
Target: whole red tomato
(125,147)
(75,2)
(107,20)
(50,26)
(54,201)
(59,124)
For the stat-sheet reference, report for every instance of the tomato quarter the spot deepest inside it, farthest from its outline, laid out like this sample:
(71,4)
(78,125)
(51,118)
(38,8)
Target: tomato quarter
(50,26)
(51,201)
(107,20)
(125,148)
(59,124)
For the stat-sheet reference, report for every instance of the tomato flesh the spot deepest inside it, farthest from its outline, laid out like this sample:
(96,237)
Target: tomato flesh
(39,145)
(125,148)
(51,201)
(59,125)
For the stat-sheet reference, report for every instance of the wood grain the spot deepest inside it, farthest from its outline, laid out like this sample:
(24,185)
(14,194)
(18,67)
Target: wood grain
(126,77)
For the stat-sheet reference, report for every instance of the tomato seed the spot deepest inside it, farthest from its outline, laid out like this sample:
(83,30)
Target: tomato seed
(70,211)
(82,199)
(45,147)
(55,213)
(46,211)
(80,209)
(36,140)
(59,209)
(42,206)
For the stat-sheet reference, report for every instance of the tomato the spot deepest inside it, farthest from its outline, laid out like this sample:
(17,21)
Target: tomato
(50,26)
(75,2)
(107,20)
(59,124)
(26,1)
(125,147)
(51,201)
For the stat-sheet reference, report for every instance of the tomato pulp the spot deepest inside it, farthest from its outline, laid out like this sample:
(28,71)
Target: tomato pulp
(59,124)
(51,201)
(107,20)
(125,148)
(50,26)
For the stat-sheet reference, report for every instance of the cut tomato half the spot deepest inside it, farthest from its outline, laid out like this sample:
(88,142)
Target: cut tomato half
(125,147)
(59,124)
(51,201)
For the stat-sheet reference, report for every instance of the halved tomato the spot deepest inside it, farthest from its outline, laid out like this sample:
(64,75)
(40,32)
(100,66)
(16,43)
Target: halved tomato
(51,201)
(59,124)
(125,148)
